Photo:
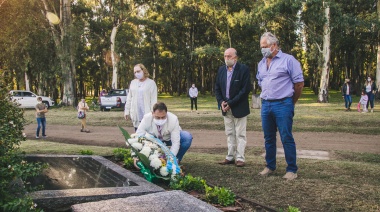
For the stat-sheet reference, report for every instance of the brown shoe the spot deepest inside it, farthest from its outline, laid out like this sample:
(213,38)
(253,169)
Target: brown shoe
(226,162)
(240,163)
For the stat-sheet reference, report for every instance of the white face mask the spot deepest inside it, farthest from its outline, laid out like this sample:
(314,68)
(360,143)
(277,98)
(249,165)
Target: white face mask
(160,122)
(369,79)
(139,75)
(229,63)
(39,102)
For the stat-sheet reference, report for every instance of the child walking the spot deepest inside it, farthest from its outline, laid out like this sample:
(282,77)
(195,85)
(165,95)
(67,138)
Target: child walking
(363,102)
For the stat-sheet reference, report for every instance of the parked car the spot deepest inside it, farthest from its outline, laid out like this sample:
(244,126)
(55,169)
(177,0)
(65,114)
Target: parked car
(27,99)
(115,98)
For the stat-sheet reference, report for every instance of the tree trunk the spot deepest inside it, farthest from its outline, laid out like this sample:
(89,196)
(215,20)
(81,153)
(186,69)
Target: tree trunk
(324,84)
(27,87)
(114,57)
(378,49)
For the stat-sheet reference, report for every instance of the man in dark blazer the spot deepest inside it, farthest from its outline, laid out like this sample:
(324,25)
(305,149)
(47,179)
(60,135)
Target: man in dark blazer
(232,87)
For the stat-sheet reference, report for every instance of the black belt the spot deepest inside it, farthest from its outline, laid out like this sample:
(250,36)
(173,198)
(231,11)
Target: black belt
(275,100)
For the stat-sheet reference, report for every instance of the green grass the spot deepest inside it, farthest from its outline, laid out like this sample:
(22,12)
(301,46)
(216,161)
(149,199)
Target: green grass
(310,116)
(348,182)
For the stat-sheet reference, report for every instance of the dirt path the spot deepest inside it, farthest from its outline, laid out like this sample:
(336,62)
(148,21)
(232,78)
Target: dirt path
(111,136)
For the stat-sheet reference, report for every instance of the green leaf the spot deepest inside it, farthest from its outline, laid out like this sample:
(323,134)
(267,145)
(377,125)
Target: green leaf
(125,133)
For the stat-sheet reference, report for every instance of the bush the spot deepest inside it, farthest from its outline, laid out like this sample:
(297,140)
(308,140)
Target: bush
(86,152)
(122,154)
(220,195)
(189,183)
(14,170)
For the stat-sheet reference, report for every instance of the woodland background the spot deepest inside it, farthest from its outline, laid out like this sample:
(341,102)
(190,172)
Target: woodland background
(181,42)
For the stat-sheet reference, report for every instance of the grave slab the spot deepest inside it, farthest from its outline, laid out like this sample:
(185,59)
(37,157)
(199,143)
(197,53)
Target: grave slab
(309,154)
(157,202)
(73,179)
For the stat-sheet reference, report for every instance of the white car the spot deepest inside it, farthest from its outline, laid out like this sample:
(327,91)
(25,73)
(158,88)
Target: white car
(28,99)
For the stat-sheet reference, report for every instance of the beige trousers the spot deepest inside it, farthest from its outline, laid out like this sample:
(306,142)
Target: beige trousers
(83,124)
(236,131)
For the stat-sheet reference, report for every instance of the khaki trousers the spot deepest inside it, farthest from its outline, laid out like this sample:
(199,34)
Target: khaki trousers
(83,124)
(236,131)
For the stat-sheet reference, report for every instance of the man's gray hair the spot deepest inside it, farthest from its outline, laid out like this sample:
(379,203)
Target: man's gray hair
(271,39)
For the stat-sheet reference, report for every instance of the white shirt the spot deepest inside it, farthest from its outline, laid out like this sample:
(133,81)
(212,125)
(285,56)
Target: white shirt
(170,130)
(193,92)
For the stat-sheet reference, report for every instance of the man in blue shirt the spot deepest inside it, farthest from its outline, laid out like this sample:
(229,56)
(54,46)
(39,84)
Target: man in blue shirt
(281,80)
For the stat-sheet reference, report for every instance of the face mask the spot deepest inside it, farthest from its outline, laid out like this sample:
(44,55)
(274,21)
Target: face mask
(266,52)
(159,122)
(39,102)
(139,75)
(229,63)
(369,79)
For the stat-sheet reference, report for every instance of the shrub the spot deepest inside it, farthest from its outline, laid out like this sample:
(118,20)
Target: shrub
(189,183)
(14,170)
(220,195)
(122,154)
(86,152)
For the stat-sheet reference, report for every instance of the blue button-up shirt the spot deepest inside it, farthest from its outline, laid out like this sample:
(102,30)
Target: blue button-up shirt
(277,81)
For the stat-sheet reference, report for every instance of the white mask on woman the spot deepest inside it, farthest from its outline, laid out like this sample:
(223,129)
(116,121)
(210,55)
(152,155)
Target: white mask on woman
(160,122)
(139,75)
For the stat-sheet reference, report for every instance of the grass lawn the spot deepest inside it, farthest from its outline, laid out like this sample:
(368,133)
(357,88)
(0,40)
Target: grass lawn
(348,182)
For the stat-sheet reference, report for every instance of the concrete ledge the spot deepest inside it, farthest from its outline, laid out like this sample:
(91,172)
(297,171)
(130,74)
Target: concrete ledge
(157,202)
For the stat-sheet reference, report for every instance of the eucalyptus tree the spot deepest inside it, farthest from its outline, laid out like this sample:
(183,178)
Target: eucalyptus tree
(378,48)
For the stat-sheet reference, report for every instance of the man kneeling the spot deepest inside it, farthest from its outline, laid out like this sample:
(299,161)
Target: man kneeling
(165,126)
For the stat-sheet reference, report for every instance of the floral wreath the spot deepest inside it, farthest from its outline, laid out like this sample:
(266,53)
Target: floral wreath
(153,157)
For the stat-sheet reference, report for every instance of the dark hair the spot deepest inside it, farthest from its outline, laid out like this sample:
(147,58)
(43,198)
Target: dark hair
(39,98)
(160,106)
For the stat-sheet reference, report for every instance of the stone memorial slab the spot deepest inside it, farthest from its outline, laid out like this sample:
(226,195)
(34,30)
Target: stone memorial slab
(156,202)
(73,179)
(309,154)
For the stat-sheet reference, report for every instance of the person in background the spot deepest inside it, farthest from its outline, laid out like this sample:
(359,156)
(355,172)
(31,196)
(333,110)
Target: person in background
(193,93)
(165,126)
(41,110)
(141,97)
(363,102)
(83,106)
(102,93)
(232,88)
(370,89)
(346,94)
(281,80)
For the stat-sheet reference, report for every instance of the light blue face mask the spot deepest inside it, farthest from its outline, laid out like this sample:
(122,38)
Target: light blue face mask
(266,52)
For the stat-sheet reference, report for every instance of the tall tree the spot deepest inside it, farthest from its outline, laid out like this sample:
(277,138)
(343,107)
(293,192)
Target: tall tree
(324,84)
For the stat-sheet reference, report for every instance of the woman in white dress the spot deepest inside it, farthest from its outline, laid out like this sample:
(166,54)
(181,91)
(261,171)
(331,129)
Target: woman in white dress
(141,97)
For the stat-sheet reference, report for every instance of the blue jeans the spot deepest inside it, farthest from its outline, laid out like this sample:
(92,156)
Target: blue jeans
(41,122)
(279,115)
(347,101)
(185,142)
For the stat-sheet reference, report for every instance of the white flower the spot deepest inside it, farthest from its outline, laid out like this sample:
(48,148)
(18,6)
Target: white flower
(164,171)
(23,134)
(131,141)
(134,135)
(9,166)
(153,156)
(137,146)
(146,151)
(149,137)
(155,163)
(133,153)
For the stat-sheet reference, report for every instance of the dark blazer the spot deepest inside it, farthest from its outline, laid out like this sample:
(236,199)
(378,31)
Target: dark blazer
(239,89)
